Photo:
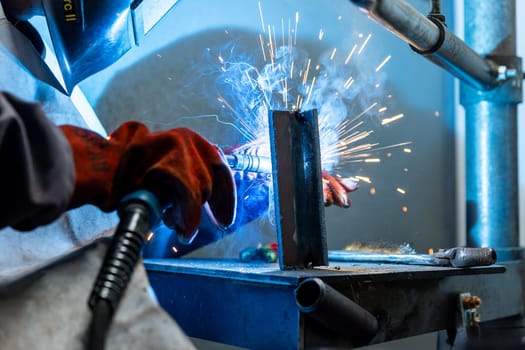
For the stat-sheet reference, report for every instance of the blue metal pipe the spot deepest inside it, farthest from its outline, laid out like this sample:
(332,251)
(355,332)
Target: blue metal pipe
(491,129)
(491,87)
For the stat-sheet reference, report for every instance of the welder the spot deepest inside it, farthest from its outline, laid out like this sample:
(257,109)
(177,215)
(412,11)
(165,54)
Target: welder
(46,273)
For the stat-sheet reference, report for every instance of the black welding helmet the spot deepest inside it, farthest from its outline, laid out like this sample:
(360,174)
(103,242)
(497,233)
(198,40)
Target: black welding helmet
(90,35)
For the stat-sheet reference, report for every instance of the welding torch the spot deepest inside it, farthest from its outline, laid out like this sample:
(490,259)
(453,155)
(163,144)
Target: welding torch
(138,213)
(250,163)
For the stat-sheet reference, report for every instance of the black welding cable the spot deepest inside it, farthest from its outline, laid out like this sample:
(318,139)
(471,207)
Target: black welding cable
(436,6)
(100,323)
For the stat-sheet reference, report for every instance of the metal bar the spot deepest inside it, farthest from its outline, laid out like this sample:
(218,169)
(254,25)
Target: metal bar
(455,257)
(298,191)
(382,258)
(491,132)
(433,40)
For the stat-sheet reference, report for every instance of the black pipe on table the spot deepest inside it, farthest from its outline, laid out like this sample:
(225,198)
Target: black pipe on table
(335,311)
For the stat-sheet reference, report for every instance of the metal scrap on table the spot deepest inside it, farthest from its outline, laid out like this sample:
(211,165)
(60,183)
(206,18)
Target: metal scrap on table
(267,253)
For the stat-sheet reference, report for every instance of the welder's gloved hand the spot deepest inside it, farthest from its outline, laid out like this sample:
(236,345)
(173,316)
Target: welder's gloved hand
(179,166)
(337,190)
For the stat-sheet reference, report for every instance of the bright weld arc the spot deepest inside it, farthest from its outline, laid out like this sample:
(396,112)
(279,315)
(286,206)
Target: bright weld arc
(282,31)
(363,178)
(321,34)
(261,39)
(364,44)
(348,83)
(340,152)
(261,16)
(383,63)
(351,54)
(392,119)
(295,32)
(333,54)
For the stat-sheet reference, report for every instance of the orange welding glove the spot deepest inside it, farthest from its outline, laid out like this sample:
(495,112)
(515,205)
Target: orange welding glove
(337,190)
(179,166)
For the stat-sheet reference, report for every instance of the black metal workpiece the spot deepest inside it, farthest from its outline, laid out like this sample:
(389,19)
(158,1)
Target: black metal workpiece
(253,305)
(298,189)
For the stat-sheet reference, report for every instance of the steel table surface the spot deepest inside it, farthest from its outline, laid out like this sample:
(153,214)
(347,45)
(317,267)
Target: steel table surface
(253,304)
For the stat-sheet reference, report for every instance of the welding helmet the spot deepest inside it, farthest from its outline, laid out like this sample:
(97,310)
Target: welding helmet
(90,35)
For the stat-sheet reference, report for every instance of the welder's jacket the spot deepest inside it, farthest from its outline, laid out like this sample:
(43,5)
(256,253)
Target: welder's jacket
(46,274)
(38,174)
(36,180)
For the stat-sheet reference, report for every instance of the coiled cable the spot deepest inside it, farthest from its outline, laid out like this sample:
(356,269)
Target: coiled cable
(138,213)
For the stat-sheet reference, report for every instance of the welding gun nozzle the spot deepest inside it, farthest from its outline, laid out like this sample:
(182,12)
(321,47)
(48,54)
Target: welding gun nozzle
(247,162)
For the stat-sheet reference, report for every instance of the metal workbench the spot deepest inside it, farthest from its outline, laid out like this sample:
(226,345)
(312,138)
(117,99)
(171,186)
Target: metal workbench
(253,305)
